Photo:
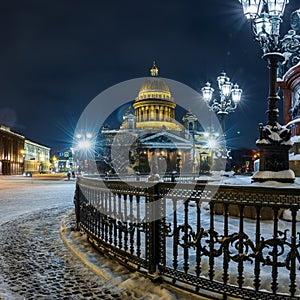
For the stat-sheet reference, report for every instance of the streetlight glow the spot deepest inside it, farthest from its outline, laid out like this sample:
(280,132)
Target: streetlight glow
(212,143)
(83,150)
(84,145)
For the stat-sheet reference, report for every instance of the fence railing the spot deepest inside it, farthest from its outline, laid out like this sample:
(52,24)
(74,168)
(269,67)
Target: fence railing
(167,177)
(225,241)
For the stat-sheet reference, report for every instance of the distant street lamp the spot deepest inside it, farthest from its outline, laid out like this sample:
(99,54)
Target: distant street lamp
(274,142)
(82,150)
(230,96)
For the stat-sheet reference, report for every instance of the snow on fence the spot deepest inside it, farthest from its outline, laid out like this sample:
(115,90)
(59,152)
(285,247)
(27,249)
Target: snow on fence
(220,243)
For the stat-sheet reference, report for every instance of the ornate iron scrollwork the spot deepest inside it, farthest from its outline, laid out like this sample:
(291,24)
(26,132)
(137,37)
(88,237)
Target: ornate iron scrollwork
(290,47)
(278,245)
(235,241)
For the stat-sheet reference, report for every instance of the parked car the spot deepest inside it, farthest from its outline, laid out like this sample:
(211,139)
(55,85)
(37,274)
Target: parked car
(27,174)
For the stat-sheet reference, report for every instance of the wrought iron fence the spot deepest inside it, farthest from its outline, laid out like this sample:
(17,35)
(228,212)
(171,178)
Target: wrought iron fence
(226,241)
(167,177)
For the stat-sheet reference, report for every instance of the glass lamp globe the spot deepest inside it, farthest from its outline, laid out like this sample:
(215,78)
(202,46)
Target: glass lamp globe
(226,88)
(276,7)
(252,8)
(207,92)
(236,94)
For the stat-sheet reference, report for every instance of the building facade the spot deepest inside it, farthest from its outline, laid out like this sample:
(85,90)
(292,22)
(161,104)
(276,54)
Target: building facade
(36,158)
(62,161)
(290,86)
(150,140)
(11,152)
(19,155)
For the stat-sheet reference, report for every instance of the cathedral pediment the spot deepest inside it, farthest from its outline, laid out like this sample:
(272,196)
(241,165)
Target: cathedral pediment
(165,140)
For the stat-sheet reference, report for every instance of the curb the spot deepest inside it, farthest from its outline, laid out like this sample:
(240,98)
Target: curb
(78,251)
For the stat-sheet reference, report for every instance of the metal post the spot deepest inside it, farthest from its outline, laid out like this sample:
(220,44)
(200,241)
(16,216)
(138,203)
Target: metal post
(77,205)
(154,232)
(273,111)
(274,142)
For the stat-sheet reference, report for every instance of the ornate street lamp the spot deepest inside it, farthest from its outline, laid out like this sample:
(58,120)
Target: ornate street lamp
(274,142)
(230,96)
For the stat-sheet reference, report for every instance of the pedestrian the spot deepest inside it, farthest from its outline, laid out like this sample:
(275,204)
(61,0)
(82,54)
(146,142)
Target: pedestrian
(69,175)
(73,174)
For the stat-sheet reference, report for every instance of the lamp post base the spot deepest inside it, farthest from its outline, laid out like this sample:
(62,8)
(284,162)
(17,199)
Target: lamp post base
(274,145)
(286,176)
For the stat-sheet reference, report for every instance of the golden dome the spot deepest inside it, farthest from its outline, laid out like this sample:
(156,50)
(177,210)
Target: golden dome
(154,106)
(154,88)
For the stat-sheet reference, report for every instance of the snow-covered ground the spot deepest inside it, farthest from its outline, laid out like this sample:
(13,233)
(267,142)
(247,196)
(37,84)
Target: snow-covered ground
(21,195)
(136,285)
(242,180)
(23,201)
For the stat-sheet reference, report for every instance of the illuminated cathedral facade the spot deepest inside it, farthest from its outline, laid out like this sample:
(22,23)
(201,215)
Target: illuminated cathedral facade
(150,139)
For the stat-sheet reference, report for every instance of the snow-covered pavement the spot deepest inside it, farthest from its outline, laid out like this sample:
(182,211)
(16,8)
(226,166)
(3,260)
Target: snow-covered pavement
(35,262)
(21,195)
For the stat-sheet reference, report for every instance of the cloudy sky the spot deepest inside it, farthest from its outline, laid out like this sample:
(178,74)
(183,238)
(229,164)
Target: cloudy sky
(56,56)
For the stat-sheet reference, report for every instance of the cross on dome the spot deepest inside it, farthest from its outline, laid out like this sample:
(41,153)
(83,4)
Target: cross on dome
(154,70)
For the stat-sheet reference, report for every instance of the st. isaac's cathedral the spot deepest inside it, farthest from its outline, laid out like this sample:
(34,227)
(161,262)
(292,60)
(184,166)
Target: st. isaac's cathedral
(150,140)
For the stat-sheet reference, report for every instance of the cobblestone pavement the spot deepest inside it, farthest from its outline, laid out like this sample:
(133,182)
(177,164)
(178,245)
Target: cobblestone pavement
(35,264)
(43,258)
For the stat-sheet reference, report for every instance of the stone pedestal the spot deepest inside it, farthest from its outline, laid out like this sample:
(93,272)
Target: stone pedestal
(274,144)
(273,157)
(274,164)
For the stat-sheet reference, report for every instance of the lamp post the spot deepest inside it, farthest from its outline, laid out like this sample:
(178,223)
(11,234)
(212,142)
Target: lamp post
(274,141)
(230,96)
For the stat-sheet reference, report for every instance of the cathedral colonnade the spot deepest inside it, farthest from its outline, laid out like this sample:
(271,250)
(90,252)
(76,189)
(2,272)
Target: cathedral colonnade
(154,113)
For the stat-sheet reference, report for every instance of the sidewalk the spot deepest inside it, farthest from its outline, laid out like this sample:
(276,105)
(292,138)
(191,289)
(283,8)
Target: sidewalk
(58,176)
(115,273)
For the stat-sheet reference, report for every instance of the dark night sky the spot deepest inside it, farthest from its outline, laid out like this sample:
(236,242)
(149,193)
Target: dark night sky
(57,55)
